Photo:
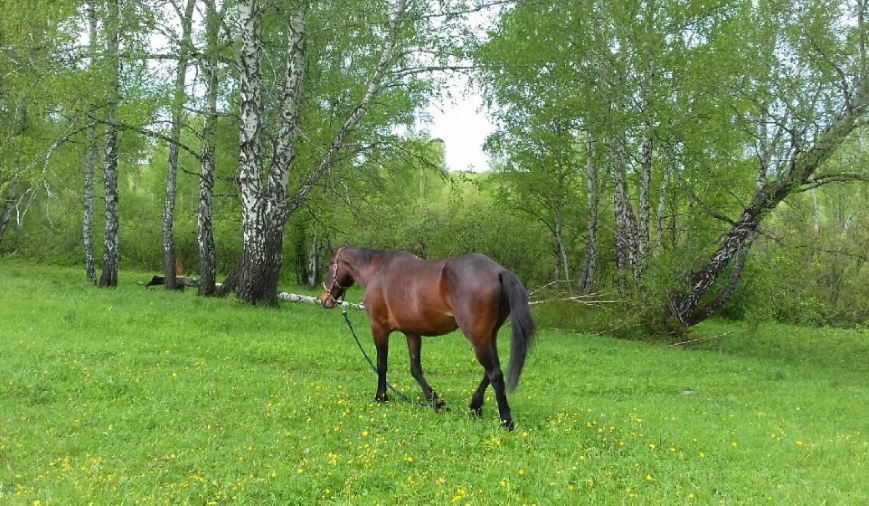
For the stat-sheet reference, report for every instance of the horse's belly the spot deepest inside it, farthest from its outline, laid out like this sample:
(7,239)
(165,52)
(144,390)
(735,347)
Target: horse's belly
(433,325)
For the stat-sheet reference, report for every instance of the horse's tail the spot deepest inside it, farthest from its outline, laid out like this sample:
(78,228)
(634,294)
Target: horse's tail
(522,323)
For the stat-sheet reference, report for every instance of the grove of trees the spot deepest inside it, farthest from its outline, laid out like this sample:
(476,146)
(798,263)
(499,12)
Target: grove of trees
(682,158)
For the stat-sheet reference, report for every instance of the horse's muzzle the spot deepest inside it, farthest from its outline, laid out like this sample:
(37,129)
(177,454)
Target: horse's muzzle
(327,301)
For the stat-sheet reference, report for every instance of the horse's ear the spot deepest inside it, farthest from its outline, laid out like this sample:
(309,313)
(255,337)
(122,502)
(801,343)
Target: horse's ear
(332,247)
(346,244)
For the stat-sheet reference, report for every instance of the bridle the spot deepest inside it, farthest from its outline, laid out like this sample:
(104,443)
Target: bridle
(335,282)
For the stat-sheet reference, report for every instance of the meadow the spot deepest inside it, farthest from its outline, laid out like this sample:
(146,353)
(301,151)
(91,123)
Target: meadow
(137,396)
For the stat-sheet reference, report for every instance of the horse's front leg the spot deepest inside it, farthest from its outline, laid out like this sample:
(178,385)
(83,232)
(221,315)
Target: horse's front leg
(381,342)
(414,347)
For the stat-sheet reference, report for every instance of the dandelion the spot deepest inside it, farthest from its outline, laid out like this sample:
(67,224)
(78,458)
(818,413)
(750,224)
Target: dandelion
(460,494)
(702,455)
(652,446)
(649,477)
(521,472)
(799,443)
(174,374)
(734,444)
(408,459)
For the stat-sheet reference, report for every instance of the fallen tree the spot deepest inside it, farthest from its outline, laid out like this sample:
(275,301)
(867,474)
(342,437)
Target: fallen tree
(188,282)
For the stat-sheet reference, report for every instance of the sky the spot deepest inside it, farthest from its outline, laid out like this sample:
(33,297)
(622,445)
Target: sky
(462,125)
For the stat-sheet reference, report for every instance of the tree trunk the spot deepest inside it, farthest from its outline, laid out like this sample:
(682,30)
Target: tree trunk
(280,207)
(8,204)
(669,167)
(645,207)
(560,253)
(91,158)
(179,98)
(313,261)
(111,256)
(686,305)
(277,205)
(627,253)
(589,264)
(205,232)
(251,276)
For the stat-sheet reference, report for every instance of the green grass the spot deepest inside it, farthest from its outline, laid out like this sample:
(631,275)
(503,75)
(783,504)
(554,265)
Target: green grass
(139,396)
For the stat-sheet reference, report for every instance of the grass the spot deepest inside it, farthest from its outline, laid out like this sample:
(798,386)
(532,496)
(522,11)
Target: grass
(139,396)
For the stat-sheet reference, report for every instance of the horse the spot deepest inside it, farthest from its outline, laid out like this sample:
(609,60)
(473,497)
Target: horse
(434,297)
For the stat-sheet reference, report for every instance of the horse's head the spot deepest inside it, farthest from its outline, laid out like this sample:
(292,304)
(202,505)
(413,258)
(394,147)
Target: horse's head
(338,279)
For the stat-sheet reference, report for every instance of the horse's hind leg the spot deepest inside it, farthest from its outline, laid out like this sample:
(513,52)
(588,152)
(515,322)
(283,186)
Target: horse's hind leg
(487,355)
(414,348)
(476,406)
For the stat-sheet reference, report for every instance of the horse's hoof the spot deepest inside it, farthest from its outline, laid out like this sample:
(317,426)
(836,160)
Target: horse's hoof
(381,399)
(476,412)
(508,424)
(439,405)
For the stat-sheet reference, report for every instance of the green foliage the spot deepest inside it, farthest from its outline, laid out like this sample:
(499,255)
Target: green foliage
(201,400)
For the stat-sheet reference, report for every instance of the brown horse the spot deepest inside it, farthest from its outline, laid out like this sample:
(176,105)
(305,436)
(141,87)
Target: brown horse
(431,298)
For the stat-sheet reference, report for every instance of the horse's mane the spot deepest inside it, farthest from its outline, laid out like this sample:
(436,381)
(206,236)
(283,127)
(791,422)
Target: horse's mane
(368,254)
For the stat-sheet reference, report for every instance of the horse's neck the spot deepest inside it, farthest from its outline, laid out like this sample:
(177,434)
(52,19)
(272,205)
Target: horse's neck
(364,270)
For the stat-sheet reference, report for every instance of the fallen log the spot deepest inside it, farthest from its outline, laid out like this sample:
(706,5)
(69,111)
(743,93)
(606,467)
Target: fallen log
(185,281)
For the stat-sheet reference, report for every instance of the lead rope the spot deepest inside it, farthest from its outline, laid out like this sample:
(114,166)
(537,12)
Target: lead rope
(370,363)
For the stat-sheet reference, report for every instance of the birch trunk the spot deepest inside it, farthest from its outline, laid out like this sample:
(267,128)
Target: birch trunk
(626,224)
(645,207)
(111,255)
(251,282)
(205,232)
(179,98)
(686,305)
(560,253)
(313,261)
(277,204)
(8,204)
(91,159)
(816,222)
(589,265)
(662,206)
(280,205)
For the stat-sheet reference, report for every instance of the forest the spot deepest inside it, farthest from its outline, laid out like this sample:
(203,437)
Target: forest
(670,160)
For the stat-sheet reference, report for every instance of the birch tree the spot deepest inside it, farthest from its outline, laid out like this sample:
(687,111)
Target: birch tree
(205,232)
(386,61)
(111,252)
(92,156)
(184,12)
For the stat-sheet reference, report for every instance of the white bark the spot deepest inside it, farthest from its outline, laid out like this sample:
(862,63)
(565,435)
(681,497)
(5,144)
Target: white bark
(662,207)
(313,260)
(91,158)
(111,254)
(586,279)
(8,204)
(180,96)
(250,286)
(205,233)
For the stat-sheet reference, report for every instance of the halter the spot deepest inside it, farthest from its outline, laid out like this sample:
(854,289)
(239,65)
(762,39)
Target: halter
(335,282)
